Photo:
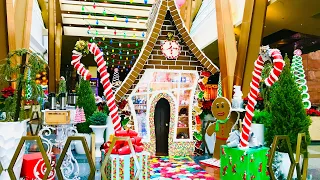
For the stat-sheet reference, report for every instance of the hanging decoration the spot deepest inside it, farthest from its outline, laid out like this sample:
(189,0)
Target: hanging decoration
(104,75)
(265,54)
(300,77)
(171,48)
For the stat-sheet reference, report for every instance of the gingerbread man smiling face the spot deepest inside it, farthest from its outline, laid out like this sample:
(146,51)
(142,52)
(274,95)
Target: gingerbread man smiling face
(221,108)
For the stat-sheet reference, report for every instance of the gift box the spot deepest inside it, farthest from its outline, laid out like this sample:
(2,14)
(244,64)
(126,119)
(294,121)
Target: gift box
(246,164)
(122,167)
(31,161)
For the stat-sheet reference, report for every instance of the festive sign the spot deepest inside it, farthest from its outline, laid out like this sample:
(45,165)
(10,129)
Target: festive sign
(104,75)
(278,63)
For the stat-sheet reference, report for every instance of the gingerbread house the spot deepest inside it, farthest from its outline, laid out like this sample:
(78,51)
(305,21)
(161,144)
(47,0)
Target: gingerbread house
(162,84)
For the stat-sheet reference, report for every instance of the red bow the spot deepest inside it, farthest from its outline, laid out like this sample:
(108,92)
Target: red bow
(122,147)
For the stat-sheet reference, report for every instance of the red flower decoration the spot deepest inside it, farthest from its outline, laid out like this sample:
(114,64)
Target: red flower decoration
(313,112)
(7,92)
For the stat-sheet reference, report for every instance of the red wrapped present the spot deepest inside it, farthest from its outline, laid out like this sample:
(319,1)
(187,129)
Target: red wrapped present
(34,160)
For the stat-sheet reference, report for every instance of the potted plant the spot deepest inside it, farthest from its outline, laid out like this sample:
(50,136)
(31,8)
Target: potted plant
(288,116)
(15,126)
(98,124)
(86,101)
(257,126)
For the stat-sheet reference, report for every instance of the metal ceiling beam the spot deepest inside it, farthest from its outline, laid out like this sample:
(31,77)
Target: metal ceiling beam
(79,16)
(107,33)
(111,9)
(103,23)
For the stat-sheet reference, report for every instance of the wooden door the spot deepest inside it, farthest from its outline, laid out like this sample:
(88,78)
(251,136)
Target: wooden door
(162,122)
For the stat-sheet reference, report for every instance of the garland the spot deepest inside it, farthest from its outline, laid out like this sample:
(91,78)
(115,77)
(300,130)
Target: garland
(200,110)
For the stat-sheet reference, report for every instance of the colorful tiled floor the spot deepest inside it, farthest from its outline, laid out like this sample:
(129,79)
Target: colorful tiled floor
(177,168)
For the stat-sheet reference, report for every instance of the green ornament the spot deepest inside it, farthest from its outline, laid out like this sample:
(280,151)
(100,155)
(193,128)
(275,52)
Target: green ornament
(200,95)
(198,136)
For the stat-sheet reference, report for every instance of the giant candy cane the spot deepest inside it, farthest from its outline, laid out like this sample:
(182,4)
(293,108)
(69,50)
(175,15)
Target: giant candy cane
(273,77)
(98,57)
(76,56)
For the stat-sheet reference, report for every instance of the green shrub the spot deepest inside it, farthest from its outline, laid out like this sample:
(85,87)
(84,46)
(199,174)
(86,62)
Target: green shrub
(288,116)
(86,101)
(98,118)
(260,117)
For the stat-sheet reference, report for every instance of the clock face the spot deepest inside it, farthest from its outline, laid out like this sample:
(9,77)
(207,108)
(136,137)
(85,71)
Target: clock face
(171,49)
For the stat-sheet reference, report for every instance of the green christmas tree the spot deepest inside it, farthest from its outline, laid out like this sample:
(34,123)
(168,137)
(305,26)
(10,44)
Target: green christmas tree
(300,78)
(62,85)
(288,113)
(86,101)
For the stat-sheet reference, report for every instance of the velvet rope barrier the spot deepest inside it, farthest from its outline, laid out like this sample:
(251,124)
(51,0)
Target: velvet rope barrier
(102,69)
(254,88)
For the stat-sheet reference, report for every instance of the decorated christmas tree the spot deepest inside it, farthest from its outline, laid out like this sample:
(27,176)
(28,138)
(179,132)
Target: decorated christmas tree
(288,113)
(86,101)
(300,77)
(116,80)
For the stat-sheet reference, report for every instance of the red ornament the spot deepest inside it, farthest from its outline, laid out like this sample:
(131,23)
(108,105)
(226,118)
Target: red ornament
(113,56)
(118,62)
(198,120)
(135,51)
(128,45)
(89,27)
(99,43)
(94,5)
(115,32)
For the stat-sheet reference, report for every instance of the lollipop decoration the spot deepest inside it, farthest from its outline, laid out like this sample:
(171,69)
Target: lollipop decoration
(278,63)
(98,57)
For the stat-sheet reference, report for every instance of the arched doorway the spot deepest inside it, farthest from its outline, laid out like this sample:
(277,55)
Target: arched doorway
(162,122)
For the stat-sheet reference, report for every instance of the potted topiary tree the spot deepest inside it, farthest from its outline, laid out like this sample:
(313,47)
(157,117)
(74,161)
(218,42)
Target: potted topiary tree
(288,116)
(98,125)
(15,124)
(86,101)
(257,126)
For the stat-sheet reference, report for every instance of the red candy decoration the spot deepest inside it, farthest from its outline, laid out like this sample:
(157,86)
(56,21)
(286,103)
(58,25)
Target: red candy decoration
(122,147)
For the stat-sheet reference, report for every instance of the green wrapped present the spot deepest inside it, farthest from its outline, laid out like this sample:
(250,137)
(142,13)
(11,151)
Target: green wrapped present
(247,164)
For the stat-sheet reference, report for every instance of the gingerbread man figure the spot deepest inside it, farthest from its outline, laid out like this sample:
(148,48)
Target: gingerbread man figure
(221,110)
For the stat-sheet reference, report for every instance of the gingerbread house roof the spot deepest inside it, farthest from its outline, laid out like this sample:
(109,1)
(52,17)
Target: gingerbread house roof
(155,23)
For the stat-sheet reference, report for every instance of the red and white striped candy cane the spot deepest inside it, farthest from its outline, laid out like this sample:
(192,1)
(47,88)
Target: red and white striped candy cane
(273,77)
(76,56)
(104,75)
(107,86)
